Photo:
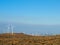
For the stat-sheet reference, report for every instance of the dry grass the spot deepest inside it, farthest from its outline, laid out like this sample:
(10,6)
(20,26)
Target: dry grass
(23,39)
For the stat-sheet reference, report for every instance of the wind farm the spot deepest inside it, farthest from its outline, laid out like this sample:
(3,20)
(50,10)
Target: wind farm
(11,38)
(29,22)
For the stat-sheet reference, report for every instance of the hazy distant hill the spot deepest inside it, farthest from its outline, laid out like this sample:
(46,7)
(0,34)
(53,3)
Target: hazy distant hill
(24,39)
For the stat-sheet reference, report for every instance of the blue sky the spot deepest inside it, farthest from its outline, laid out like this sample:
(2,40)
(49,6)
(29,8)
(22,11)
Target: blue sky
(35,12)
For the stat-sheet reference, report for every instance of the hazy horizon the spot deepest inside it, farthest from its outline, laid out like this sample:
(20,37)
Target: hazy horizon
(31,29)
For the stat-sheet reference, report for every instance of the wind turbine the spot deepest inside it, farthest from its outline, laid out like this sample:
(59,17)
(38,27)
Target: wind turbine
(8,31)
(10,28)
(46,33)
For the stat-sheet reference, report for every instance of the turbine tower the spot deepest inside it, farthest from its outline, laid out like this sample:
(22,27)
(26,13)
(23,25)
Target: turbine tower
(11,26)
(10,29)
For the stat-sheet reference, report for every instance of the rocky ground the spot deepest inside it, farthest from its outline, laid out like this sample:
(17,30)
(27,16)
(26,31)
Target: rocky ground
(24,39)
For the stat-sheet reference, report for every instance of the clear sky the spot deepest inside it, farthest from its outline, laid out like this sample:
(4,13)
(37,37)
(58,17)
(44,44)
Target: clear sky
(36,12)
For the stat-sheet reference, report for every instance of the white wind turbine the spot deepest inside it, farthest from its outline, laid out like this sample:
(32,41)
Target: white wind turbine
(10,28)
(8,31)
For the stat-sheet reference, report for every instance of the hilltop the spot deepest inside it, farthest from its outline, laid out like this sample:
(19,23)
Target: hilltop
(25,39)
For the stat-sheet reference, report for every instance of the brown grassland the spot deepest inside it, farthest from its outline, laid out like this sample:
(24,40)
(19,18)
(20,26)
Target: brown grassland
(24,39)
